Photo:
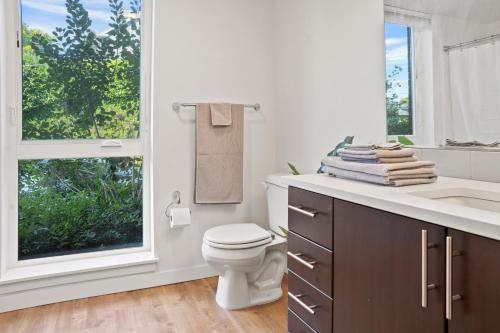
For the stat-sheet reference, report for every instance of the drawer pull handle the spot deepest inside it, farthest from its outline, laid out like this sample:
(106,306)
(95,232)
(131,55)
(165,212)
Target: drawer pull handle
(297,256)
(308,308)
(449,270)
(424,269)
(302,211)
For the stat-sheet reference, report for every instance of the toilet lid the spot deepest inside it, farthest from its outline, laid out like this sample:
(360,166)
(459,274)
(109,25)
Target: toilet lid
(237,235)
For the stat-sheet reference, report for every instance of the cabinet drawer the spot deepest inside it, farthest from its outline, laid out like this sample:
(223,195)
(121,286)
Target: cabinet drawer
(320,317)
(311,215)
(296,325)
(311,262)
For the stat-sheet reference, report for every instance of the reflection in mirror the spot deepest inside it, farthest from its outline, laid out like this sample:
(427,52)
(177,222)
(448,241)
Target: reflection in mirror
(443,71)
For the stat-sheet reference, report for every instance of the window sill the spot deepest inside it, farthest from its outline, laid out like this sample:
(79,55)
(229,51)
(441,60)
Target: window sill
(43,275)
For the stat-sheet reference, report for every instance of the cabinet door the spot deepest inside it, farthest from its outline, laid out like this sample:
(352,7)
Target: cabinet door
(378,272)
(476,282)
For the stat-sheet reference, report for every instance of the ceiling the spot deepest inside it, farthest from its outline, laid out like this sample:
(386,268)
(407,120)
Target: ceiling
(485,11)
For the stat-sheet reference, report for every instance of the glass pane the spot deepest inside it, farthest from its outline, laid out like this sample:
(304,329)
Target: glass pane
(81,69)
(398,79)
(79,205)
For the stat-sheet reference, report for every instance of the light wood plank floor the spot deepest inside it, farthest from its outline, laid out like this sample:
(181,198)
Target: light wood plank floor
(181,308)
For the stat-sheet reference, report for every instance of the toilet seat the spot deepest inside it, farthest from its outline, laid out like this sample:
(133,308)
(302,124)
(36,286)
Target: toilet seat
(237,236)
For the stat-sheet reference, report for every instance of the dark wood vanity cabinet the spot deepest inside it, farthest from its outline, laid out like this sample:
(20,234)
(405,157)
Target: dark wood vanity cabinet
(310,262)
(379,272)
(475,284)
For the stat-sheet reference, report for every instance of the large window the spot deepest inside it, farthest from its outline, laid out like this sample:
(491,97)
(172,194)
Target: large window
(399,79)
(82,134)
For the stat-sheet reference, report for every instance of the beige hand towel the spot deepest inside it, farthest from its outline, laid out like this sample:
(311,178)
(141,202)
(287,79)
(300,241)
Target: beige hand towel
(221,114)
(219,158)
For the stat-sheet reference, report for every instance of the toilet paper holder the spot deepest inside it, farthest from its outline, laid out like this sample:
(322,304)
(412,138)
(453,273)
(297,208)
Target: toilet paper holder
(176,200)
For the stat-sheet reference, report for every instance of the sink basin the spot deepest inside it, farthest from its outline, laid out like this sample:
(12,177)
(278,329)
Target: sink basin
(466,197)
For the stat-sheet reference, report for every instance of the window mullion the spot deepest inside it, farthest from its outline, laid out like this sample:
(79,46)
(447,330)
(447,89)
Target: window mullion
(63,150)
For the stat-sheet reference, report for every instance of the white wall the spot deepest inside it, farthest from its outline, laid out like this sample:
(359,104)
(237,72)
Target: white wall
(476,165)
(330,77)
(317,68)
(218,50)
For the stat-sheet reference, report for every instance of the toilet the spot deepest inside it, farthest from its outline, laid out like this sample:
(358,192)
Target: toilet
(249,259)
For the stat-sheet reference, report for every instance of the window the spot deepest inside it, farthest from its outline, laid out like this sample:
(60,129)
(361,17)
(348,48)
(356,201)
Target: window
(399,79)
(80,168)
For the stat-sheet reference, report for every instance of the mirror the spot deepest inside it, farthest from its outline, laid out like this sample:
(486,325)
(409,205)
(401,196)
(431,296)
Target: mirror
(443,71)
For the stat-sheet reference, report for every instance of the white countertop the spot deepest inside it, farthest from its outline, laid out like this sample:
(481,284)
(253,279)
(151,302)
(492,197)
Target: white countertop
(399,201)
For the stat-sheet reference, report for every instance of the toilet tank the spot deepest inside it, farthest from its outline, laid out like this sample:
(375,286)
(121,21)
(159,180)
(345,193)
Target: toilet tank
(277,202)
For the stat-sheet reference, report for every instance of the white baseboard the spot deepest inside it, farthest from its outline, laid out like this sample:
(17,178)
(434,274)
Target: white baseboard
(72,291)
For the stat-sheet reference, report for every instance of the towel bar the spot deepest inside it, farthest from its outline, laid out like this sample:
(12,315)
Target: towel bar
(177,106)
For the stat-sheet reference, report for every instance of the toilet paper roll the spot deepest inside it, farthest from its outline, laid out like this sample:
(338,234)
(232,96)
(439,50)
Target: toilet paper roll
(180,217)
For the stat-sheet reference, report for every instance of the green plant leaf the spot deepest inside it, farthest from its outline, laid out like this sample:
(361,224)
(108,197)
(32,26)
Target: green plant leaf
(294,170)
(284,231)
(347,141)
(405,141)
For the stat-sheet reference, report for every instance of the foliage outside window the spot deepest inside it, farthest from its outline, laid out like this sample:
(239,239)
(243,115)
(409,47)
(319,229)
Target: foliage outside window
(80,81)
(399,85)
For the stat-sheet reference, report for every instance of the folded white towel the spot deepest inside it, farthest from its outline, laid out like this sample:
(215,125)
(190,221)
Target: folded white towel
(407,152)
(378,169)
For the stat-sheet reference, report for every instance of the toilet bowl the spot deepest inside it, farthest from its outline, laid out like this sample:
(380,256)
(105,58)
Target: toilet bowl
(250,260)
(250,268)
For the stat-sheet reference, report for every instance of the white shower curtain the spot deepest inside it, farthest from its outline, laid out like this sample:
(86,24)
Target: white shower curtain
(475,93)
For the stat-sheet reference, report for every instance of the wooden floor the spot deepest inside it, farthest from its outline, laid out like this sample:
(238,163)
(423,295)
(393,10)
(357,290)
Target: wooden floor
(186,307)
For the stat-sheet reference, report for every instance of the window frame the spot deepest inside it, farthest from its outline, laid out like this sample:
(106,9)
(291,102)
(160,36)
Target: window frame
(418,22)
(14,149)
(411,84)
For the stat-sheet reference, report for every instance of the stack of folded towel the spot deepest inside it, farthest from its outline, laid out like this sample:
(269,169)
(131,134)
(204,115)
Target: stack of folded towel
(388,164)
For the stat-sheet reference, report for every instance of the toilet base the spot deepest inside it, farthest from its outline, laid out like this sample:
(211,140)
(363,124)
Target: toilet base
(265,296)
(248,277)
(233,292)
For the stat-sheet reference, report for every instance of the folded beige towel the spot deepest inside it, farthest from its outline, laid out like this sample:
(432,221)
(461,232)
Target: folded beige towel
(389,146)
(412,172)
(397,159)
(219,158)
(221,114)
(377,169)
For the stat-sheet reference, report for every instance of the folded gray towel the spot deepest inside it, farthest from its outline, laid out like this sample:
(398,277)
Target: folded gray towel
(379,160)
(374,153)
(454,143)
(397,180)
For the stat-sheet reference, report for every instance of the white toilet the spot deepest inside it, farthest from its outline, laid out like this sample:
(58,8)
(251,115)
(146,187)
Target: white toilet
(250,260)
